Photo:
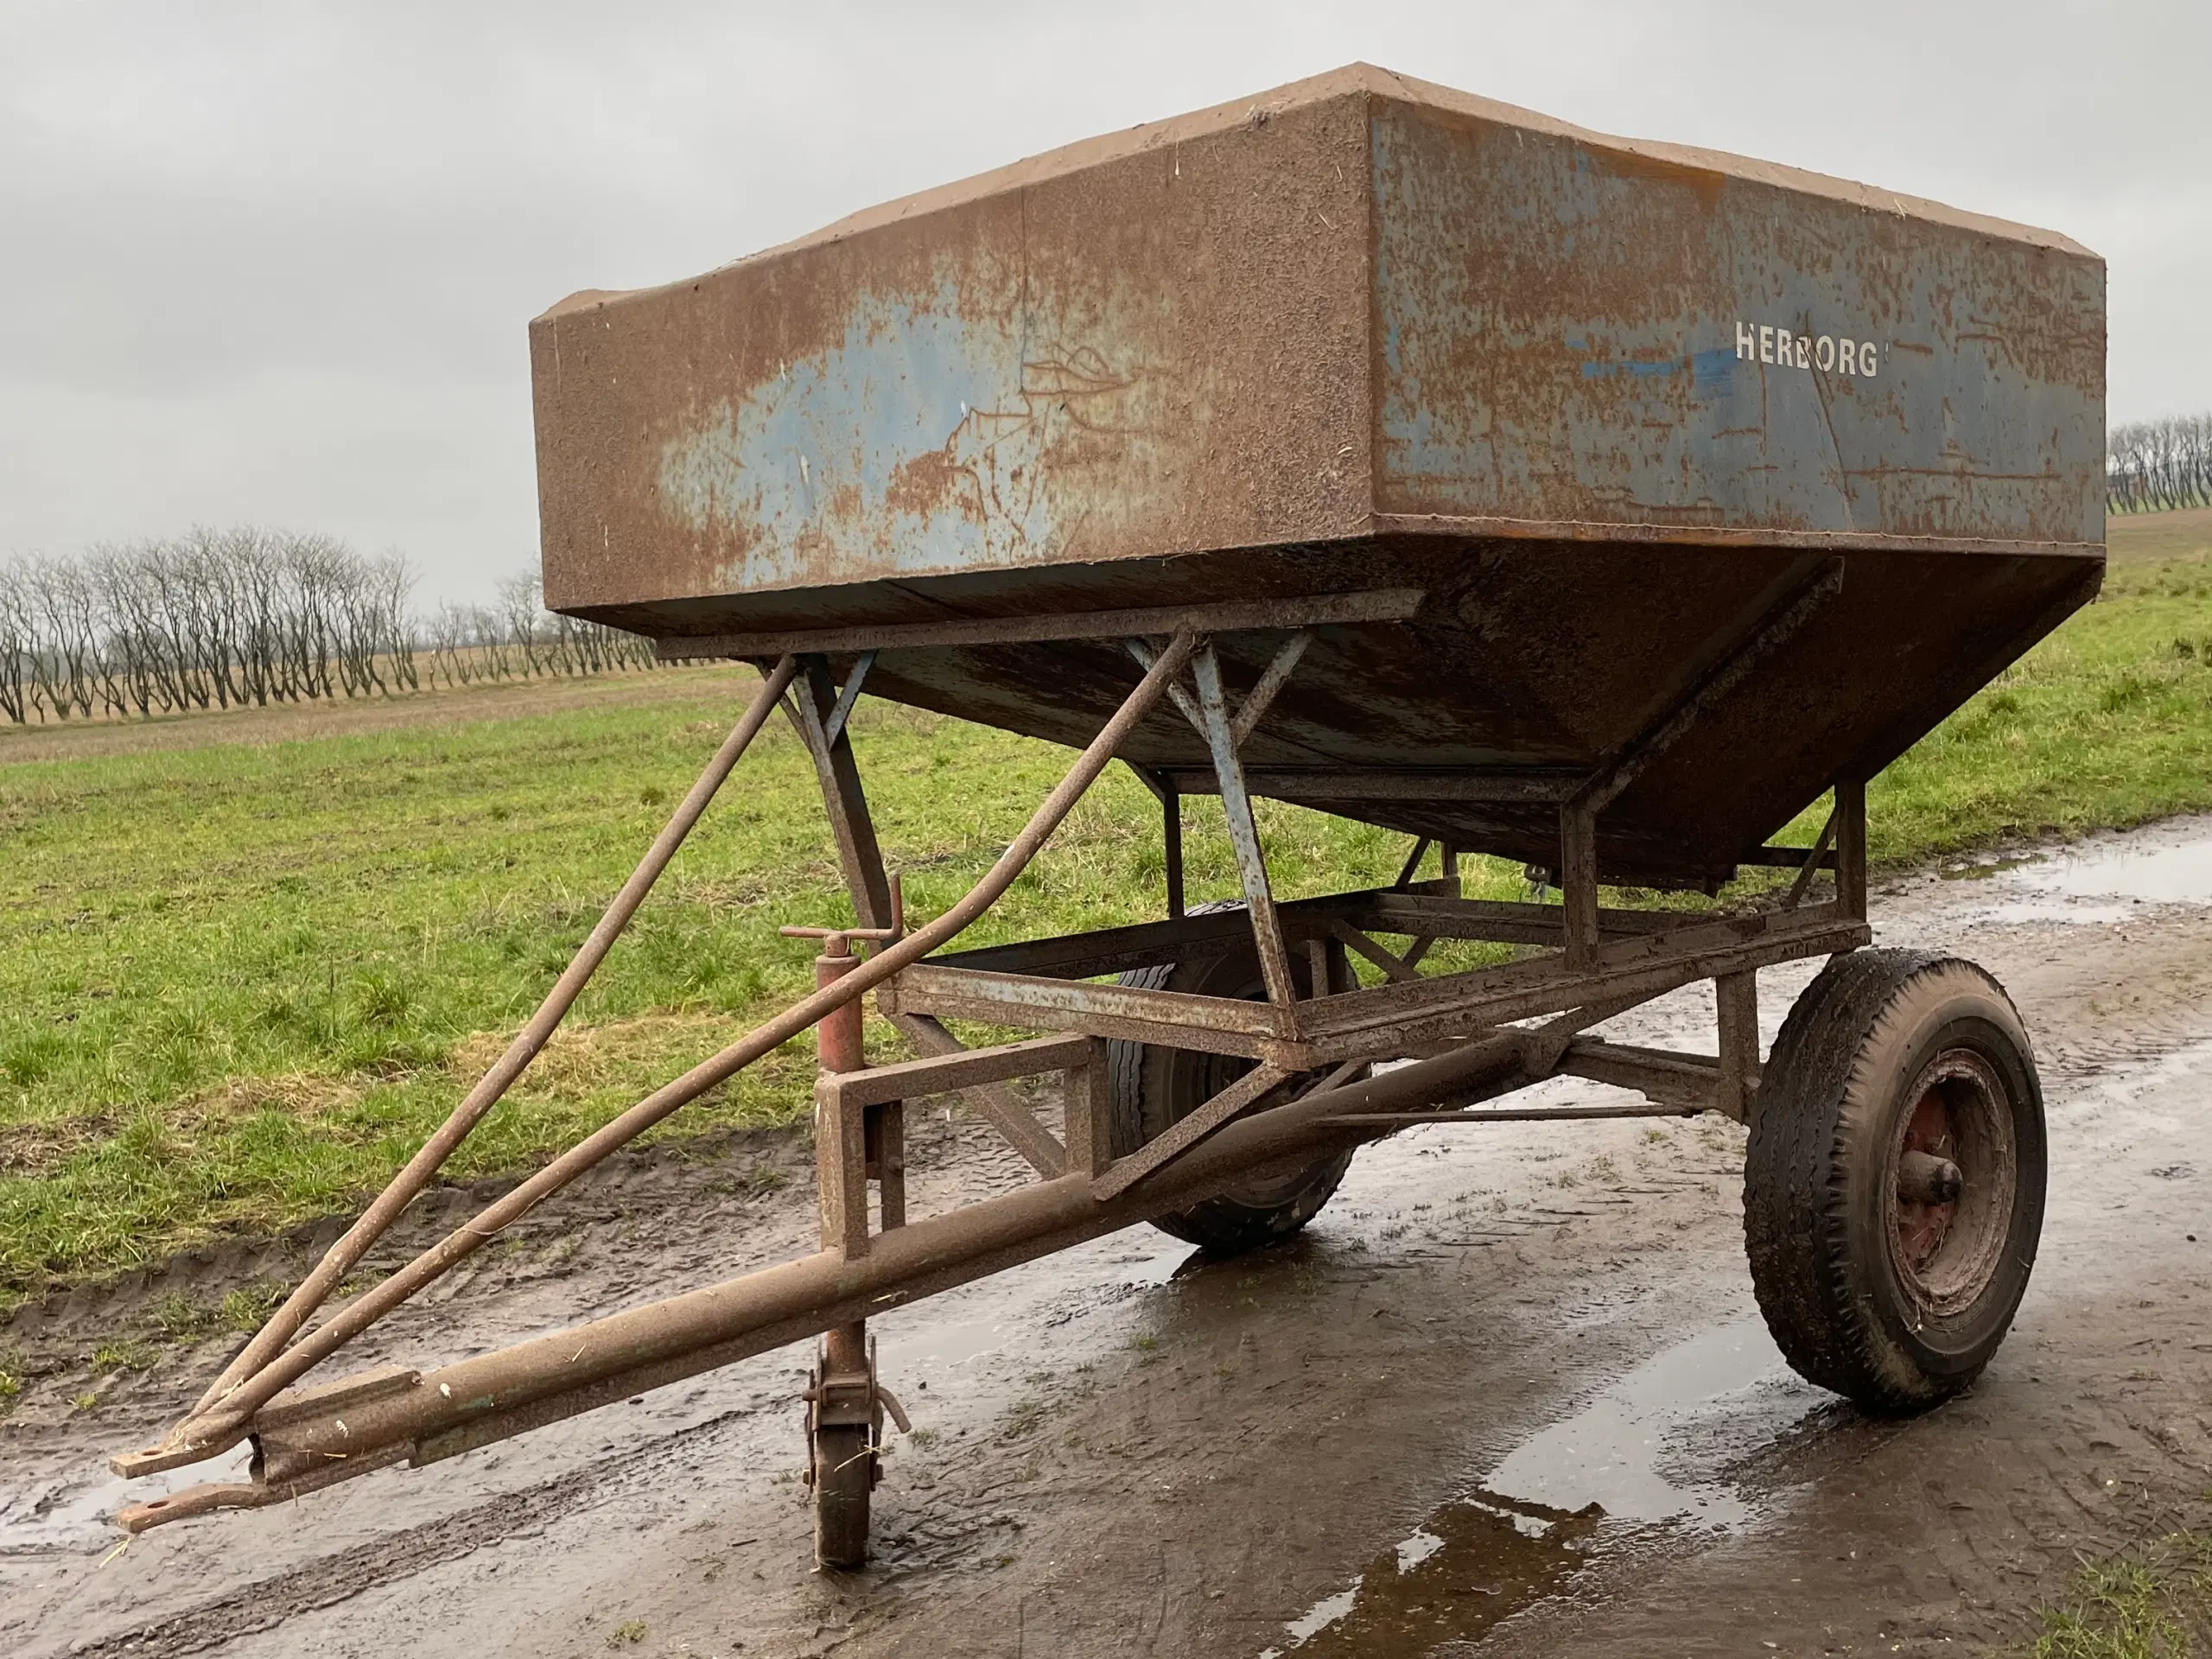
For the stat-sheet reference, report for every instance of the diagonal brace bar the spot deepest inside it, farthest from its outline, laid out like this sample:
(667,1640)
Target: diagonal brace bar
(212,1428)
(1244,838)
(1146,654)
(1187,1132)
(1413,862)
(404,1187)
(1781,620)
(998,1105)
(1254,709)
(1812,864)
(833,727)
(842,798)
(1395,966)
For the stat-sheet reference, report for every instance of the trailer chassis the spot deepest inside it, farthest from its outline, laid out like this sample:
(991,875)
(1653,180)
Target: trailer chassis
(1470,1037)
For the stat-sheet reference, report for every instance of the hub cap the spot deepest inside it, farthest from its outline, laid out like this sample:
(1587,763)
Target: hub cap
(1950,1182)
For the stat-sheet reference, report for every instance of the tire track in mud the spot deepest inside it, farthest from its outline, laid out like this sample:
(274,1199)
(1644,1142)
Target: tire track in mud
(267,1602)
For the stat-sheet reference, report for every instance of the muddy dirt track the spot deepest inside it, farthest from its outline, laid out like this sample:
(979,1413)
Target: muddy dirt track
(1510,1394)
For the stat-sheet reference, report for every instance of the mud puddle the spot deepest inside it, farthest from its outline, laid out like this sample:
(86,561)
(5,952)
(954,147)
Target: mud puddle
(2107,880)
(1472,1565)
(73,1513)
(1638,1469)
(2163,876)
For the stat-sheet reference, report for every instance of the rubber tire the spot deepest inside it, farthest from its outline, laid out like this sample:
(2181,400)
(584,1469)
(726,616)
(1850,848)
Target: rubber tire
(1151,1086)
(844,1473)
(1817,1225)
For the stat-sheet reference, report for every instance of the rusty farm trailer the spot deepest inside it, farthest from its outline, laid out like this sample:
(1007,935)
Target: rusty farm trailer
(1601,505)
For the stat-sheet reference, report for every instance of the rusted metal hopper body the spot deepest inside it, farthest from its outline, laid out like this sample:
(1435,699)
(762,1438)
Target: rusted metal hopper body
(1607,404)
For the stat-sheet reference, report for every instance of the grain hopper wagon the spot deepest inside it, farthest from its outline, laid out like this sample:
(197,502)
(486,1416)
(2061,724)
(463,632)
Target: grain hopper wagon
(1596,504)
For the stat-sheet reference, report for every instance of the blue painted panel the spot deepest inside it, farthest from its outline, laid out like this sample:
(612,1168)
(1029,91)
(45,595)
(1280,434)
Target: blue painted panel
(1568,336)
(915,443)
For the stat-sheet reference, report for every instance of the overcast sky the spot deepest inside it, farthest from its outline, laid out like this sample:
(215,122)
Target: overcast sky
(275,262)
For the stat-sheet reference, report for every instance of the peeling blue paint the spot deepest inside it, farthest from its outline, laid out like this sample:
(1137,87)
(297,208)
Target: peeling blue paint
(817,451)
(1540,308)
(1602,371)
(1713,373)
(929,438)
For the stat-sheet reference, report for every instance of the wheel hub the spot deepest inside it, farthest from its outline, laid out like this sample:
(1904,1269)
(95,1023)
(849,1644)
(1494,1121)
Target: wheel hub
(1950,1181)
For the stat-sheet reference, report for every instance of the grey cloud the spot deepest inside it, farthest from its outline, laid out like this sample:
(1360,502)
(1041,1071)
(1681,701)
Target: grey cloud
(275,262)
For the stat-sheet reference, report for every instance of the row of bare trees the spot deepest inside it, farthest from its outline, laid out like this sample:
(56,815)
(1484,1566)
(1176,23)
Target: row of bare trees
(518,638)
(249,617)
(2157,466)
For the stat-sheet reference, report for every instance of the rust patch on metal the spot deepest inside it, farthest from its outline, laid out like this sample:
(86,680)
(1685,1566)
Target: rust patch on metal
(1706,183)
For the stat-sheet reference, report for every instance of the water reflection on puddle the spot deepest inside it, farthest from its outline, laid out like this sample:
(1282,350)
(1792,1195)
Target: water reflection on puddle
(2179,875)
(2097,883)
(1648,1455)
(1474,1562)
(72,1515)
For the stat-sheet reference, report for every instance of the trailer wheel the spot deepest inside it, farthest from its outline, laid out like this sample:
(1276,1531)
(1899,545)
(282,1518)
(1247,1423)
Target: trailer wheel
(1893,1193)
(1153,1087)
(844,1472)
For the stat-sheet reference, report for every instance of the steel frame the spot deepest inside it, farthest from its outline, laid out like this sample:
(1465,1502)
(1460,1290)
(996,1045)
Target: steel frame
(1472,1036)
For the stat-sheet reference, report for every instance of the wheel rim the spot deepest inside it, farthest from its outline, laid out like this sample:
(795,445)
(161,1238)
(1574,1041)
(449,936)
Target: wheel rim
(1959,1120)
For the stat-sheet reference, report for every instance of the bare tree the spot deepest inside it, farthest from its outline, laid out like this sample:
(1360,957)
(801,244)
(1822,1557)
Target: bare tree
(392,581)
(257,575)
(18,644)
(522,601)
(62,600)
(220,618)
(2159,465)
(132,662)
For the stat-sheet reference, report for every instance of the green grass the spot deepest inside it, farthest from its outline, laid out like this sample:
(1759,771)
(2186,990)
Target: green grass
(2146,1604)
(240,983)
(2107,722)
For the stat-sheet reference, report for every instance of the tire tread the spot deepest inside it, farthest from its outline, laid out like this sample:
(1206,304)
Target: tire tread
(1221,1226)
(1797,1219)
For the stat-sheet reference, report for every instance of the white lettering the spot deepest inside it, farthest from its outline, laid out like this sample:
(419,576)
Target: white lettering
(1767,343)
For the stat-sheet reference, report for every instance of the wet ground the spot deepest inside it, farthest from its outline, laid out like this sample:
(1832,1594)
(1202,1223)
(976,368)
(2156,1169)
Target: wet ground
(1510,1394)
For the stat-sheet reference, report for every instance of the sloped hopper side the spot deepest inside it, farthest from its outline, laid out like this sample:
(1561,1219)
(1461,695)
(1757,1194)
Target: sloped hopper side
(1613,407)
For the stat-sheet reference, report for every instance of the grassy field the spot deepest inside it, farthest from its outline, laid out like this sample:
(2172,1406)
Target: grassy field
(241,978)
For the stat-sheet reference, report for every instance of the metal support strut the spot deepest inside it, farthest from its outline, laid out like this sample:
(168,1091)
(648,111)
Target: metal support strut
(855,1143)
(268,1366)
